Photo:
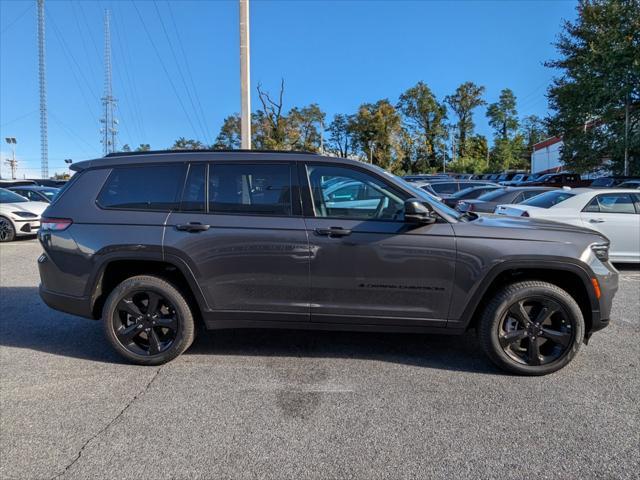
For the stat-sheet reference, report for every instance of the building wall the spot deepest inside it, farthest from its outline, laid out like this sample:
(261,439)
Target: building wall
(546,158)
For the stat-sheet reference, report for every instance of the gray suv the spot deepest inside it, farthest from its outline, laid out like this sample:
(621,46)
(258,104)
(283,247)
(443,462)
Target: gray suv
(158,243)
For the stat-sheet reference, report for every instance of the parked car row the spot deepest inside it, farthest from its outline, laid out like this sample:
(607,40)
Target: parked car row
(21,208)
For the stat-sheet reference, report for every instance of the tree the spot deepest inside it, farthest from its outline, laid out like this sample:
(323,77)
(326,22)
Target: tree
(377,130)
(425,118)
(304,128)
(229,136)
(463,102)
(270,121)
(502,115)
(533,130)
(126,148)
(187,144)
(143,147)
(599,87)
(340,141)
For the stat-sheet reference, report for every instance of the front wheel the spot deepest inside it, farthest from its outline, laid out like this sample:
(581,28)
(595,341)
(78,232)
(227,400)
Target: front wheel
(531,328)
(7,232)
(147,320)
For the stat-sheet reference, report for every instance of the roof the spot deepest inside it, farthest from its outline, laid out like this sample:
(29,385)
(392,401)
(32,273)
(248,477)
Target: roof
(166,156)
(33,187)
(546,143)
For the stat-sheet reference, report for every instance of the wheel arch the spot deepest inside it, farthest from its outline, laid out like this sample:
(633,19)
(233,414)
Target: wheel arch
(116,268)
(574,278)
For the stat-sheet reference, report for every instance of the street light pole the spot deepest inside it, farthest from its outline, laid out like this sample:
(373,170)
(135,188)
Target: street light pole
(245,112)
(13,163)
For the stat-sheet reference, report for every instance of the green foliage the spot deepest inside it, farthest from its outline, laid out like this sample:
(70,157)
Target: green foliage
(340,141)
(143,147)
(229,136)
(463,102)
(507,154)
(377,130)
(502,115)
(424,117)
(600,79)
(187,144)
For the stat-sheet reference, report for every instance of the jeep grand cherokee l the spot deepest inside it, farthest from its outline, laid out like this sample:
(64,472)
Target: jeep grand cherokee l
(157,242)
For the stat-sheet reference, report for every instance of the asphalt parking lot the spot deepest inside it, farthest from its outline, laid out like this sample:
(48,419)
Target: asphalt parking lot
(295,405)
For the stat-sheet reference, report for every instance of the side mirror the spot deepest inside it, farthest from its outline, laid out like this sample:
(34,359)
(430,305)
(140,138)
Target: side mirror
(417,213)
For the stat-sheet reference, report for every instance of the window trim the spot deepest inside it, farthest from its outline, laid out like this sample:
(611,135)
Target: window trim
(120,167)
(309,210)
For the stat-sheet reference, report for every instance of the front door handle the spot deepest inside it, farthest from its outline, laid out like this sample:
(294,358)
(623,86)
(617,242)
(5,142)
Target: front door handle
(193,227)
(596,220)
(333,232)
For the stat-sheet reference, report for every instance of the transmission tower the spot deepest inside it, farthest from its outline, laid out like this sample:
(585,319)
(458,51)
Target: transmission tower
(109,122)
(44,146)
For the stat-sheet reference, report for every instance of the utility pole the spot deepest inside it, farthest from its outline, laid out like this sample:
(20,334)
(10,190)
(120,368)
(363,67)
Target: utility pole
(109,122)
(626,136)
(44,144)
(245,79)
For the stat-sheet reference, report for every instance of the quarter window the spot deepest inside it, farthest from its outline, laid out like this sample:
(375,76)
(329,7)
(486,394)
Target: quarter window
(250,189)
(153,187)
(611,203)
(347,193)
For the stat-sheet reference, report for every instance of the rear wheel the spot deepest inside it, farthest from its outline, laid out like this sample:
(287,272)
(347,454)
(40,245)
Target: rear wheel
(7,231)
(148,321)
(531,328)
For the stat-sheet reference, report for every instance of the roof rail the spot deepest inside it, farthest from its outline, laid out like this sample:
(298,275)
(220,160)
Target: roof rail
(206,150)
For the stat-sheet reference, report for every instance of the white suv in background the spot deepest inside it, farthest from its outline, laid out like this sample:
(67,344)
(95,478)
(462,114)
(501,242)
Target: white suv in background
(612,212)
(18,215)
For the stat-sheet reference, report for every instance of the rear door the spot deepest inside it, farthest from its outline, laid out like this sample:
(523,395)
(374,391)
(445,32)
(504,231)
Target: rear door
(240,230)
(616,215)
(367,265)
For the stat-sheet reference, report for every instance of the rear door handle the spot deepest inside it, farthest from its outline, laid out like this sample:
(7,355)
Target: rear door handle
(193,227)
(333,232)
(596,220)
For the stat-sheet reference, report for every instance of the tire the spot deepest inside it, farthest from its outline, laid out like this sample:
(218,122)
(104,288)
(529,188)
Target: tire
(7,230)
(509,339)
(143,334)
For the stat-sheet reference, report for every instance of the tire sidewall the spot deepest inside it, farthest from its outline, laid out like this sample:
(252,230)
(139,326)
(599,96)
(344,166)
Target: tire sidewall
(185,333)
(526,292)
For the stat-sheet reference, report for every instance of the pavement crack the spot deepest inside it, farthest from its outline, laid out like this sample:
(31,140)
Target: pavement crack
(106,427)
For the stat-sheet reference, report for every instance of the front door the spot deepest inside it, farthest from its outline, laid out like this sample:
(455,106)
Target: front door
(241,232)
(367,265)
(616,217)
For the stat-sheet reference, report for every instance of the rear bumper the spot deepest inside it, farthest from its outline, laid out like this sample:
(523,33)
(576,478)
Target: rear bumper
(80,306)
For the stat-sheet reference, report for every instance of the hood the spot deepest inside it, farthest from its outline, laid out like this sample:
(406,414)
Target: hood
(33,207)
(531,229)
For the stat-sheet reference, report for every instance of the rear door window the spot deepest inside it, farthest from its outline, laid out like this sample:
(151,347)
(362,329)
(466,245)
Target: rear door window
(250,189)
(611,203)
(148,187)
(195,189)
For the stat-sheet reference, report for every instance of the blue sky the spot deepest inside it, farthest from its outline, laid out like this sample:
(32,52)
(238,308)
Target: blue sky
(338,54)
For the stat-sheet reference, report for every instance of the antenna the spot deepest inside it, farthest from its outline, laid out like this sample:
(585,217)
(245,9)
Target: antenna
(44,146)
(109,122)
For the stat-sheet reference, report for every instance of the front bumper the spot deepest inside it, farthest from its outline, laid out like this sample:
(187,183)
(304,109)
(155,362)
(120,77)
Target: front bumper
(27,227)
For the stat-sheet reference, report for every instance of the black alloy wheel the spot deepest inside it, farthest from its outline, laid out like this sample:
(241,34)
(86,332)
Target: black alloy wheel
(7,232)
(145,322)
(536,331)
(148,320)
(531,328)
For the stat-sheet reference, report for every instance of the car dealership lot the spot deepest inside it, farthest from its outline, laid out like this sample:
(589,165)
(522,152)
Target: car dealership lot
(284,404)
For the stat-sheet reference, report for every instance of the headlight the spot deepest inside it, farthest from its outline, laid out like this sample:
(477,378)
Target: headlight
(601,251)
(25,214)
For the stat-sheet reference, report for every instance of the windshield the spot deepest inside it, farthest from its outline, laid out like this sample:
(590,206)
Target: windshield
(548,199)
(422,194)
(9,197)
(493,195)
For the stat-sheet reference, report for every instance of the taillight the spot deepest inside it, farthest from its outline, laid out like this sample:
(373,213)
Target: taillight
(524,214)
(55,224)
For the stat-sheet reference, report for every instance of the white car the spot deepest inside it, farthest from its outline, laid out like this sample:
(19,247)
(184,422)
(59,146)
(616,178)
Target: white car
(612,212)
(18,215)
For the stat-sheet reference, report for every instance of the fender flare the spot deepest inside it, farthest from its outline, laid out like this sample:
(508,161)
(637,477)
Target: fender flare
(527,263)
